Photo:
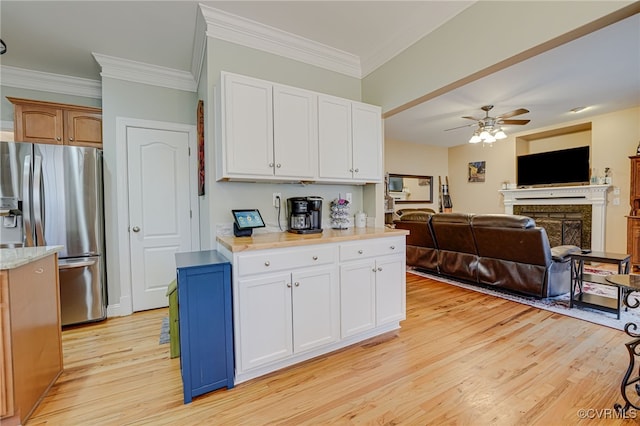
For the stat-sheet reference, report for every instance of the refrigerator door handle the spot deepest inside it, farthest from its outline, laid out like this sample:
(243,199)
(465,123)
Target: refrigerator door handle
(71,265)
(38,202)
(26,201)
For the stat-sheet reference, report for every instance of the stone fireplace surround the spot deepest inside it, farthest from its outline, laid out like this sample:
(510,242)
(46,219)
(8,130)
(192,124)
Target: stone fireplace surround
(594,195)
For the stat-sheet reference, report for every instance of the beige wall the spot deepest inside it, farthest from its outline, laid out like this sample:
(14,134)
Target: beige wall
(614,137)
(416,159)
(572,140)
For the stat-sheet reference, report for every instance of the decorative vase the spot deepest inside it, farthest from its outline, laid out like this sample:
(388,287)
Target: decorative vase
(339,214)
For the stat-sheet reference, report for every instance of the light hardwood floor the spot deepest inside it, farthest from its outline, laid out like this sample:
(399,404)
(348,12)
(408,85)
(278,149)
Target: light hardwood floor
(460,358)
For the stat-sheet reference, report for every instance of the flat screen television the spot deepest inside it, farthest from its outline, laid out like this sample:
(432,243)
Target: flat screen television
(562,167)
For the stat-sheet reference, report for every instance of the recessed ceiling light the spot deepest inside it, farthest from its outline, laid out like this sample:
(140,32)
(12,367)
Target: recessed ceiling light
(578,109)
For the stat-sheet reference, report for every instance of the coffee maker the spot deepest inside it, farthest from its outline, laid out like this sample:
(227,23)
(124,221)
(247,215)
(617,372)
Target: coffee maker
(305,215)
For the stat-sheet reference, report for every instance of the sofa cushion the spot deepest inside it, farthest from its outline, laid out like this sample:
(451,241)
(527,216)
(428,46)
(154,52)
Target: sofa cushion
(418,216)
(502,221)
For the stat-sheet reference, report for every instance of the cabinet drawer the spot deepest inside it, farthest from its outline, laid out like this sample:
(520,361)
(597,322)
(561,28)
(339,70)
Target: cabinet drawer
(278,260)
(371,248)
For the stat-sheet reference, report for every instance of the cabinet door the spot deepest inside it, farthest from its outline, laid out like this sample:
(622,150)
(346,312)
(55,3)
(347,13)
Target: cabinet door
(41,124)
(367,142)
(316,313)
(6,371)
(247,127)
(83,128)
(633,240)
(265,320)
(334,129)
(295,129)
(357,297)
(390,289)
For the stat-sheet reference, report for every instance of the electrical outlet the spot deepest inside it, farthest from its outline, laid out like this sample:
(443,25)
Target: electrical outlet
(616,190)
(616,201)
(277,198)
(348,197)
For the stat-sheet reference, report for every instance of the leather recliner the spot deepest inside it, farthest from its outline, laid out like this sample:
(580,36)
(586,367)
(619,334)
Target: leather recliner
(497,250)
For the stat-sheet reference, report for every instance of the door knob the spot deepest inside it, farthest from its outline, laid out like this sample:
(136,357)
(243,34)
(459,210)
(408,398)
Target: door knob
(136,229)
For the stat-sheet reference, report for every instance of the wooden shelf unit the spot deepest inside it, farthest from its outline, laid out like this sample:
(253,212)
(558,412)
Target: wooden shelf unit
(633,220)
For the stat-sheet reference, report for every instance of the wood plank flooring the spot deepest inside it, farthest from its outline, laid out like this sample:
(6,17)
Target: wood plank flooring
(460,358)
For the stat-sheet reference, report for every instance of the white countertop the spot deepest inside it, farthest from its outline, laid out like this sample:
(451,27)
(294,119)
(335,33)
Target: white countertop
(16,257)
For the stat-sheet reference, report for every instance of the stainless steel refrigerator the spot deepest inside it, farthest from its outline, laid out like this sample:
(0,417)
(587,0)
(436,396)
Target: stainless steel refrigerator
(53,195)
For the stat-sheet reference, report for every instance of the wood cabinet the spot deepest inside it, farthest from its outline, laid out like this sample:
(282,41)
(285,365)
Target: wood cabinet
(54,123)
(266,130)
(205,321)
(31,345)
(291,304)
(350,141)
(633,220)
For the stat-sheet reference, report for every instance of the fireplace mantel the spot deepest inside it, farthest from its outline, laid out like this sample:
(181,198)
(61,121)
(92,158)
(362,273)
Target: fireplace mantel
(595,195)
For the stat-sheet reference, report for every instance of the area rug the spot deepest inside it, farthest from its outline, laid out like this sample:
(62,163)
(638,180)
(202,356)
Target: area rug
(558,304)
(164,331)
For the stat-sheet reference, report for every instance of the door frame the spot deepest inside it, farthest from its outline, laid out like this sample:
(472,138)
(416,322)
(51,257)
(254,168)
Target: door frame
(125,305)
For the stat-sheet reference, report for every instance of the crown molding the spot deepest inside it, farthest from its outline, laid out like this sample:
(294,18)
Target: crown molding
(235,29)
(138,72)
(199,48)
(47,82)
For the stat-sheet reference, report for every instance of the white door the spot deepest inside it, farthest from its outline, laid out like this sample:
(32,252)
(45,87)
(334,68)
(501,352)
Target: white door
(295,130)
(159,211)
(334,129)
(367,142)
(316,314)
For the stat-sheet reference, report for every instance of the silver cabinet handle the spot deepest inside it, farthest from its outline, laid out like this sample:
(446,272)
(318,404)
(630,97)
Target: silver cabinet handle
(38,201)
(289,285)
(360,251)
(357,170)
(136,229)
(267,263)
(374,269)
(72,265)
(393,247)
(379,268)
(315,257)
(278,165)
(297,284)
(351,170)
(26,202)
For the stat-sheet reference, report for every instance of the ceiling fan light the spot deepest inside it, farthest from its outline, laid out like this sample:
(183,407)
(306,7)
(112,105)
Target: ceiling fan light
(475,138)
(484,135)
(490,139)
(500,134)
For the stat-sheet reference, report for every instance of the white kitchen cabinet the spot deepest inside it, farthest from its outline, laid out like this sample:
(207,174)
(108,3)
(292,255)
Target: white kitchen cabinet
(294,303)
(266,131)
(372,284)
(357,297)
(284,314)
(350,141)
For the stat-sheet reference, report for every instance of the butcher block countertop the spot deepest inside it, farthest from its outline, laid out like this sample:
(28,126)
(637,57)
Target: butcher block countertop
(288,239)
(16,257)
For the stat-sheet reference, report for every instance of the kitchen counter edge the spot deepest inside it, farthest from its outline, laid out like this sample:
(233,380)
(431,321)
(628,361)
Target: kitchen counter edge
(287,239)
(15,257)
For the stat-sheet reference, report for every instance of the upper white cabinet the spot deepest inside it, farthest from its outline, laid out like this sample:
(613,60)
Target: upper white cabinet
(272,132)
(350,141)
(266,131)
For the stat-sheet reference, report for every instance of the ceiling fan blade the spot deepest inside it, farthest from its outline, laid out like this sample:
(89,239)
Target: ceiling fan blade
(513,113)
(460,127)
(519,122)
(472,118)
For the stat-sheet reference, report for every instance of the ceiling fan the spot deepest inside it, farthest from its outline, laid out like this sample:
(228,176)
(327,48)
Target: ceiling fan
(489,128)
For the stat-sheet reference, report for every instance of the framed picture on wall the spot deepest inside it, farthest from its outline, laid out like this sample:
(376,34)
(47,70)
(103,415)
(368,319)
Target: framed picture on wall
(477,171)
(200,121)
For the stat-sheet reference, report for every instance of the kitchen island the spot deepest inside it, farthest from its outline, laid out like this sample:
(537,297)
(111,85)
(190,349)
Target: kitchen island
(296,296)
(31,345)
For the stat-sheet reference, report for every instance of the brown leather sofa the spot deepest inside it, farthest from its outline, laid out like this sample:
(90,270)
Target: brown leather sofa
(495,250)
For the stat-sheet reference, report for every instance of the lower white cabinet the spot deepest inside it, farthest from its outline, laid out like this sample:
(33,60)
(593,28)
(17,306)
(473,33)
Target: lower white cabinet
(293,304)
(288,313)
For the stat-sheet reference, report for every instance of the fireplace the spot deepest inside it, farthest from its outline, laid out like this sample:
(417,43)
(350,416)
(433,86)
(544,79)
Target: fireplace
(557,209)
(565,224)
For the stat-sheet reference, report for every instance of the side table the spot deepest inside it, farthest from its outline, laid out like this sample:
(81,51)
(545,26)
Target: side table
(629,385)
(578,277)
